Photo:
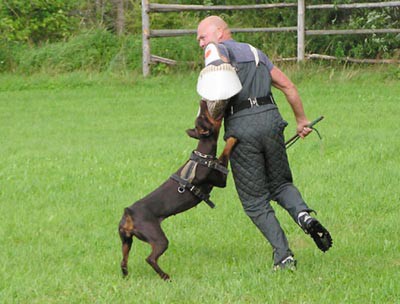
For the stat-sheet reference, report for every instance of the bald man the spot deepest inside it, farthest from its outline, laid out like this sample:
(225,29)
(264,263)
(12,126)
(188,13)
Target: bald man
(259,162)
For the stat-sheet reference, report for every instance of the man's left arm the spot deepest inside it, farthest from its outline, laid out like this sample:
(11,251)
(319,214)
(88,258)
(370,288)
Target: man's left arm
(283,83)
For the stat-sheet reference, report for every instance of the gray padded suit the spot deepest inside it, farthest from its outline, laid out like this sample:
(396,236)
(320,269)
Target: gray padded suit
(259,162)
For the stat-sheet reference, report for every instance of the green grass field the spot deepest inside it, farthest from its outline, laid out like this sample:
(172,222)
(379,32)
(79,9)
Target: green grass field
(76,149)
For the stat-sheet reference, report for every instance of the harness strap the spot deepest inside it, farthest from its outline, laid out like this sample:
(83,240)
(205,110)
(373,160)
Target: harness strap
(255,53)
(189,171)
(209,162)
(192,188)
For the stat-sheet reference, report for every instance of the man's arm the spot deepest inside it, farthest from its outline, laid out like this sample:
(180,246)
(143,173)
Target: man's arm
(283,83)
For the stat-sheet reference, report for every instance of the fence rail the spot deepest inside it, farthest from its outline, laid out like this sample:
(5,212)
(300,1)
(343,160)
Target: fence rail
(175,33)
(163,8)
(302,32)
(155,7)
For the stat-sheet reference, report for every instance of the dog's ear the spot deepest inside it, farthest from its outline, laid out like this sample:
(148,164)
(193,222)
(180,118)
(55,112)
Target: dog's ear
(192,133)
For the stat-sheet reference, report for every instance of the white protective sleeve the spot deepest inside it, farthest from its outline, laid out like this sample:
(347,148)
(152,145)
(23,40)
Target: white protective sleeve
(218,80)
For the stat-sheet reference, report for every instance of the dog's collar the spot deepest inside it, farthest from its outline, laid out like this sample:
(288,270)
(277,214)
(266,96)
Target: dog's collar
(202,155)
(209,161)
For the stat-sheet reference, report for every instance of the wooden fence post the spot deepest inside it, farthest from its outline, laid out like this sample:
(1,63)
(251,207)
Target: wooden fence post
(300,30)
(145,38)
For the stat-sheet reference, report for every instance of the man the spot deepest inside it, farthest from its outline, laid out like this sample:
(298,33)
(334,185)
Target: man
(259,162)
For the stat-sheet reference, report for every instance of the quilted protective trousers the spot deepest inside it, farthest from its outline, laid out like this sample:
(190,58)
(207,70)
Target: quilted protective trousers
(261,172)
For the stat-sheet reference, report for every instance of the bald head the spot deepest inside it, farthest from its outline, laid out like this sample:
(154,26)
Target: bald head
(216,21)
(212,29)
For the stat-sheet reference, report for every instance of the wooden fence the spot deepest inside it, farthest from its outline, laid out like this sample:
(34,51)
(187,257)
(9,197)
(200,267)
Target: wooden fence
(302,32)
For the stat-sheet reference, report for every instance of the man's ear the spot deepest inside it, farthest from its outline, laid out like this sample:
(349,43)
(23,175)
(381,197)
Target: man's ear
(220,33)
(192,133)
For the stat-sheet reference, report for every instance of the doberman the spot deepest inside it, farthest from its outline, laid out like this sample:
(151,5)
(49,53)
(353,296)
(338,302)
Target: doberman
(185,189)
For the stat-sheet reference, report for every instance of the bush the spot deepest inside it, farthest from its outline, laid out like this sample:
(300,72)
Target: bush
(358,46)
(36,21)
(92,50)
(8,53)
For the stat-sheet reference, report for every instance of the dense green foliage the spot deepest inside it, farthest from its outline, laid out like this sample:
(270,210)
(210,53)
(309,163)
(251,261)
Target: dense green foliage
(28,31)
(94,50)
(78,148)
(36,21)
(358,46)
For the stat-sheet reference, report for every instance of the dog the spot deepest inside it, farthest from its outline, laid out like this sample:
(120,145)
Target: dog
(185,189)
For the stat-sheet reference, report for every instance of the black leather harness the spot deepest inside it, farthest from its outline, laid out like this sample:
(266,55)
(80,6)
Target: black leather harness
(185,184)
(208,161)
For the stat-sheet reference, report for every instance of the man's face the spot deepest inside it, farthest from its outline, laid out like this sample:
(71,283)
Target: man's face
(207,33)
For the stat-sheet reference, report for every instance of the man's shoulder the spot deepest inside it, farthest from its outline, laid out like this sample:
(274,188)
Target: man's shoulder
(234,44)
(242,52)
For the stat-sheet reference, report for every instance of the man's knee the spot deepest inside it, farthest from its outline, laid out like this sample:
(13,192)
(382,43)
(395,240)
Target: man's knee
(257,208)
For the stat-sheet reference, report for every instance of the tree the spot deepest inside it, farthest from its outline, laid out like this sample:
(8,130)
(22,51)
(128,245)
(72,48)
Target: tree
(35,21)
(120,18)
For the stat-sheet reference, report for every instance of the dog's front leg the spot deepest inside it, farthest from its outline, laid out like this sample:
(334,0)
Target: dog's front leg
(218,178)
(224,157)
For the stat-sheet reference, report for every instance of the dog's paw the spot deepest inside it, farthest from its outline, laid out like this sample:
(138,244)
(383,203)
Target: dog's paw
(165,277)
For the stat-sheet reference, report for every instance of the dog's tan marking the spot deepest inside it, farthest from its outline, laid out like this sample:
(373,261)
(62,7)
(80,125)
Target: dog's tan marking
(128,225)
(230,143)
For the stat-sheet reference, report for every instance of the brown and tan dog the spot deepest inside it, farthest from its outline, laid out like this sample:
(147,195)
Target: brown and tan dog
(191,184)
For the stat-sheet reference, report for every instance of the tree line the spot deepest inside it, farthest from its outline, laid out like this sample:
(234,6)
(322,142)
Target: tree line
(35,23)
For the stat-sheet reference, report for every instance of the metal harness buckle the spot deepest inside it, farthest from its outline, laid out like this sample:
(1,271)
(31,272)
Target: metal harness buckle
(181,188)
(253,102)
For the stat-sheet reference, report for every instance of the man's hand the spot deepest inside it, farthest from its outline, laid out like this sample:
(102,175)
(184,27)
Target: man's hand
(302,129)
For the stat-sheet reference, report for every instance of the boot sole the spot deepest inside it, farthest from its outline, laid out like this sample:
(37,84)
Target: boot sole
(320,235)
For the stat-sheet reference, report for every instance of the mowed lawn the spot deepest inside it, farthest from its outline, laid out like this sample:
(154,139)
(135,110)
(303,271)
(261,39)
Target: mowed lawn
(76,149)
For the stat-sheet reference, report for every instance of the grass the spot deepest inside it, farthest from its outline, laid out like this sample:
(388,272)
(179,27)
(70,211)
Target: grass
(75,149)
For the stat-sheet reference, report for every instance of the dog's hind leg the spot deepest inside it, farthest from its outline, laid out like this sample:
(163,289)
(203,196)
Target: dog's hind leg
(125,232)
(159,244)
(126,247)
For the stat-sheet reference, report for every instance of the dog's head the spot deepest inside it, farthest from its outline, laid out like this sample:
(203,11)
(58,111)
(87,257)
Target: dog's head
(205,125)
